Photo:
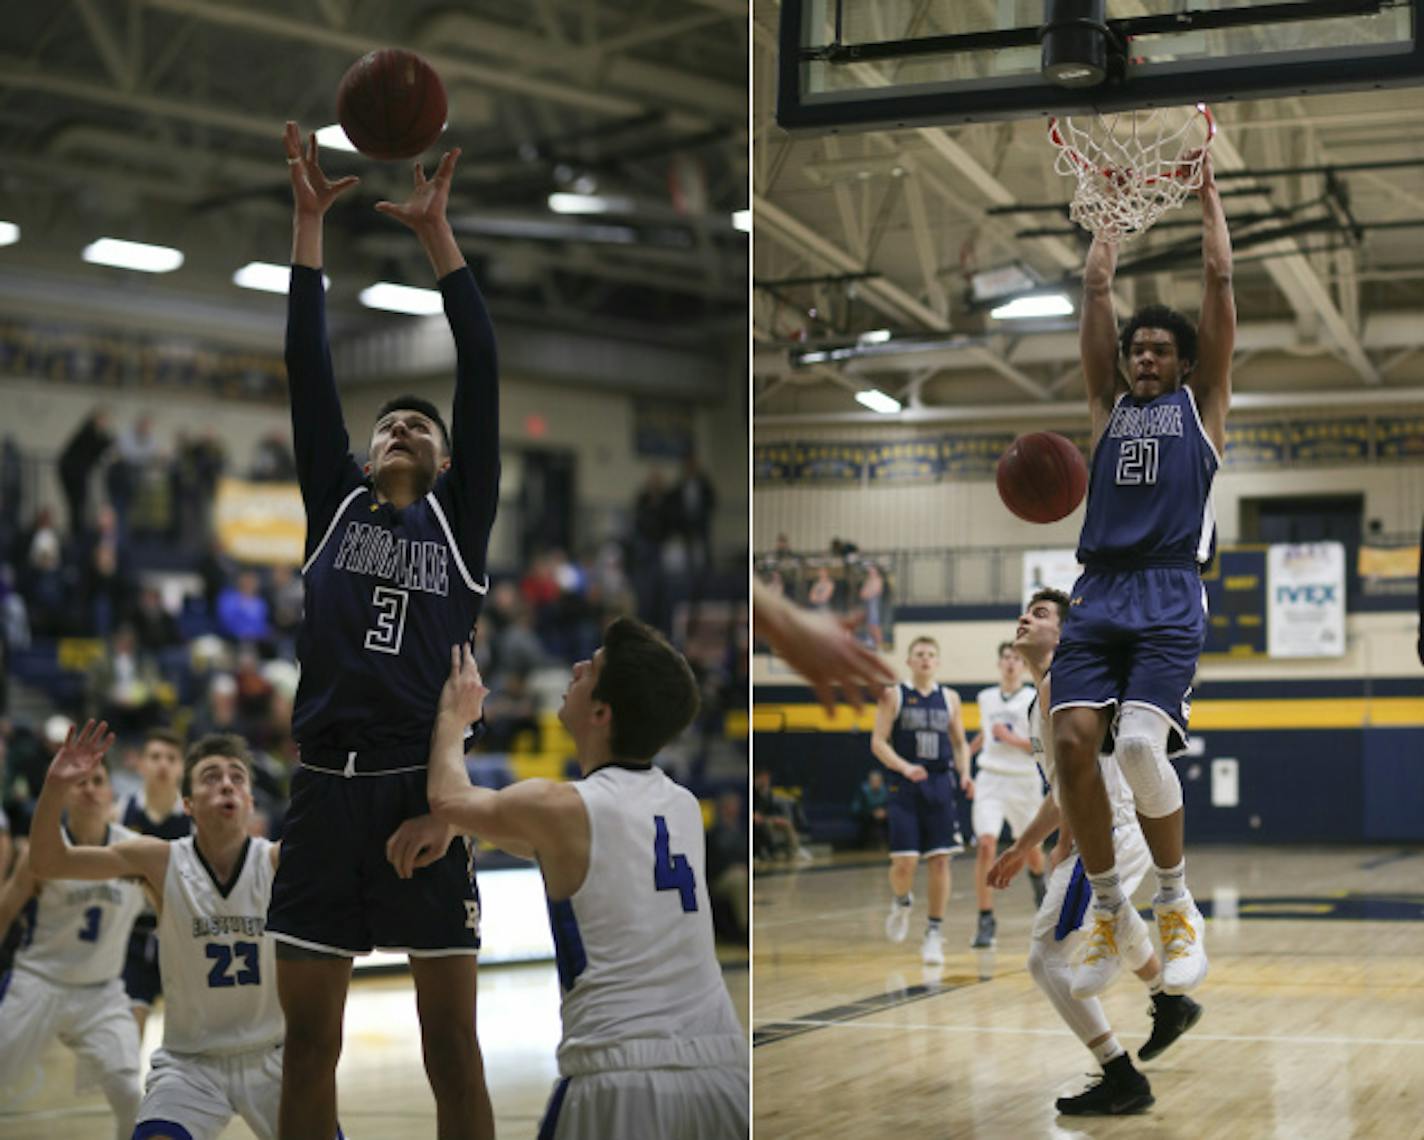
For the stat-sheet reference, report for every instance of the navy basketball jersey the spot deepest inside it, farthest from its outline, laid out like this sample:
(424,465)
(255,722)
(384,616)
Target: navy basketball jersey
(1149,497)
(176,825)
(387,594)
(921,731)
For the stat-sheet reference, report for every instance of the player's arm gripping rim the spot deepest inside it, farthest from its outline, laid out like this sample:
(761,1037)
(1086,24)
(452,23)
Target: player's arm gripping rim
(880,745)
(1097,335)
(1216,330)
(50,858)
(524,818)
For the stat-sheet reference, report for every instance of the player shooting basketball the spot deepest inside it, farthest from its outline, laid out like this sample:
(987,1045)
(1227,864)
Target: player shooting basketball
(395,574)
(1137,622)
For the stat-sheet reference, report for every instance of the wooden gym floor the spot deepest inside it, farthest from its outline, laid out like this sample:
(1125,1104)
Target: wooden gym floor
(380,1082)
(1313,1023)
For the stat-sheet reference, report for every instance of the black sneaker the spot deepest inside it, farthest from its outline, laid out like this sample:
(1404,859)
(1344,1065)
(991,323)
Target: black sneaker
(984,936)
(1120,1091)
(1172,1015)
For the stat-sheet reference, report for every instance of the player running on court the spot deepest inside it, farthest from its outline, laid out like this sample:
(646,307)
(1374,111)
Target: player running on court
(1122,1090)
(919,736)
(222,1025)
(1137,622)
(65,980)
(394,574)
(651,1044)
(156,810)
(1007,786)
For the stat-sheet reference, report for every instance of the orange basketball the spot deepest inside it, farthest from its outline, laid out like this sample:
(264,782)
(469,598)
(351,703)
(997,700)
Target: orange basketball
(1042,477)
(391,104)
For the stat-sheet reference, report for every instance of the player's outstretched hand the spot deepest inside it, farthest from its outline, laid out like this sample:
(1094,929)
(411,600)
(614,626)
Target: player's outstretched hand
(426,205)
(312,191)
(80,754)
(418,843)
(821,649)
(1009,863)
(463,696)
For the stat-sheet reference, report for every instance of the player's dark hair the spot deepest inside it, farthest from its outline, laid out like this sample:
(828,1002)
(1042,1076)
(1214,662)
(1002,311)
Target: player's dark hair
(409,403)
(163,736)
(1162,317)
(227,744)
(1057,597)
(649,687)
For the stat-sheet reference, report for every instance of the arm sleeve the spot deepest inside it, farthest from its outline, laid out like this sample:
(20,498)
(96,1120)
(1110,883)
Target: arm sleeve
(324,465)
(471,487)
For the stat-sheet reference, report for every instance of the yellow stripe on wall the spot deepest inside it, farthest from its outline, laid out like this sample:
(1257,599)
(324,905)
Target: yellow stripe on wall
(1327,712)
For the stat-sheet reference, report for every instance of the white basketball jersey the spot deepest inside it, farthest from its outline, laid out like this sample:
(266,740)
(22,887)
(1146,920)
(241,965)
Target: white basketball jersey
(218,965)
(1012,712)
(1124,807)
(636,957)
(79,932)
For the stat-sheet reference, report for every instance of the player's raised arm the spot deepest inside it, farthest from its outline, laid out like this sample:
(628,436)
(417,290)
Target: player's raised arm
(319,440)
(1216,330)
(471,489)
(1097,332)
(52,858)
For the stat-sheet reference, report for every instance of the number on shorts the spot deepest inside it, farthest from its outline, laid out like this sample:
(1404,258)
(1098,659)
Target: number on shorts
(385,636)
(926,746)
(672,872)
(250,973)
(90,931)
(1137,462)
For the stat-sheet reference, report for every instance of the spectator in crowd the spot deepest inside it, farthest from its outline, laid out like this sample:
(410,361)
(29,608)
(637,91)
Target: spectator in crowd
(198,463)
(242,610)
(645,548)
(285,598)
(77,461)
(774,833)
(272,460)
(872,597)
(123,685)
(511,709)
(517,647)
(155,627)
(691,505)
(108,593)
(219,712)
(727,870)
(871,809)
(27,757)
(48,587)
(821,594)
(138,449)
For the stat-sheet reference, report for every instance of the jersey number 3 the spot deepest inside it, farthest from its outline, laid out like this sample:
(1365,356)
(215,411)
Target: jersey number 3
(250,974)
(385,636)
(672,872)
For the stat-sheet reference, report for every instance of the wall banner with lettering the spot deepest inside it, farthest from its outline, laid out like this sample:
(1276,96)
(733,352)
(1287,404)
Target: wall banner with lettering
(774,462)
(905,462)
(829,463)
(1345,440)
(970,455)
(1399,438)
(260,522)
(1306,599)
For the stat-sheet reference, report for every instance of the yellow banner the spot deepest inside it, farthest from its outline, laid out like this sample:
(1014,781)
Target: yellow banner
(1389,561)
(260,522)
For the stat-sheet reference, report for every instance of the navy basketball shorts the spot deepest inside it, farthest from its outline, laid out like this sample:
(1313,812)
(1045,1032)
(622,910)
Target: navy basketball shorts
(923,819)
(336,891)
(142,981)
(1133,637)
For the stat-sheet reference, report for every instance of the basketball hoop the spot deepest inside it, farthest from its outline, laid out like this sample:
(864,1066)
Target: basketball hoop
(1132,167)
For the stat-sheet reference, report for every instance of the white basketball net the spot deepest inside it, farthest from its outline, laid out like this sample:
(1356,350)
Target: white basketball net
(1131,167)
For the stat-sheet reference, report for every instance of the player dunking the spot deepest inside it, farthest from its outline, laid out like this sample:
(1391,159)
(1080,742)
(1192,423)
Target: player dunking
(1007,786)
(919,736)
(1122,1090)
(394,574)
(1137,622)
(65,981)
(651,1046)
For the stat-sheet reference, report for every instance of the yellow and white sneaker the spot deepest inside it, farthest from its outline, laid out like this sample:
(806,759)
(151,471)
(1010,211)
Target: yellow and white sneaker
(1108,939)
(1183,931)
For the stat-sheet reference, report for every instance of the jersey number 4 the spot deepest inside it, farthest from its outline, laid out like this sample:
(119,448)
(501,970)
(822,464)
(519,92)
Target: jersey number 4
(672,872)
(385,636)
(220,977)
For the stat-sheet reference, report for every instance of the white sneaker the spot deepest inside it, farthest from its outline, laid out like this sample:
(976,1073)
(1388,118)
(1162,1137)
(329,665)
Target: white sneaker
(897,922)
(1183,932)
(1106,942)
(932,949)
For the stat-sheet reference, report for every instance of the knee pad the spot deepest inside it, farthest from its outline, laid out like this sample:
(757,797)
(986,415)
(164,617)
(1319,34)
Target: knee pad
(1141,753)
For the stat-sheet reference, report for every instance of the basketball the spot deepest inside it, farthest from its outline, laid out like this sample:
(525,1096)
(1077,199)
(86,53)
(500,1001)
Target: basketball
(1042,477)
(391,104)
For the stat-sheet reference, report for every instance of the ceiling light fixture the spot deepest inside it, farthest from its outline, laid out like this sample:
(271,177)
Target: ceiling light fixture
(1037,305)
(402,299)
(742,220)
(9,233)
(878,401)
(133,255)
(562,203)
(268,278)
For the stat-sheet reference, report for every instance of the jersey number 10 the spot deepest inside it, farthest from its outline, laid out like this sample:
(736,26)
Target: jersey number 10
(672,872)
